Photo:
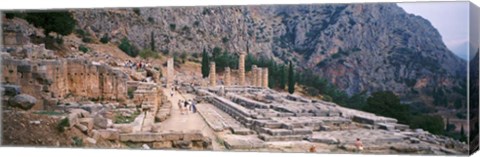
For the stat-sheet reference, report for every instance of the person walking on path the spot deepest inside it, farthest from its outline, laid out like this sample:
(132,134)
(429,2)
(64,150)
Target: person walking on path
(359,145)
(194,107)
(180,106)
(185,105)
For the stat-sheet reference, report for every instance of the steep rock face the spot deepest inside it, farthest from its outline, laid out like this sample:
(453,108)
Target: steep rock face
(358,47)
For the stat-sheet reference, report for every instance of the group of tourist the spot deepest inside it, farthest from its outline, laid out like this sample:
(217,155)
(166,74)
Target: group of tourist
(136,65)
(187,105)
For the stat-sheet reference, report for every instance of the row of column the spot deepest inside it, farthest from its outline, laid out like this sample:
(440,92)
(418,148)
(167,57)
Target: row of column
(260,75)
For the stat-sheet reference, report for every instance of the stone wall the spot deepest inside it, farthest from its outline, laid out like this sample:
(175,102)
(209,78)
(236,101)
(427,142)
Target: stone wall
(53,79)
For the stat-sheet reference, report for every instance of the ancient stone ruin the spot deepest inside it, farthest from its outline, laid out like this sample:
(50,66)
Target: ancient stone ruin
(139,107)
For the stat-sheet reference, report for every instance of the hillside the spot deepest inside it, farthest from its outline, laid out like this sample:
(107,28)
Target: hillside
(358,47)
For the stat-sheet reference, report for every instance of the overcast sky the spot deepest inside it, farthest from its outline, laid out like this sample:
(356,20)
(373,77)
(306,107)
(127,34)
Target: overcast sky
(449,18)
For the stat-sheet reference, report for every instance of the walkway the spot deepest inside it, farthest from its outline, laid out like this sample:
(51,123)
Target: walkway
(186,122)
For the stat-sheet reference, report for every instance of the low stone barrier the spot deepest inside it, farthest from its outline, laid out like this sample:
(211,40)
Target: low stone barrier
(170,139)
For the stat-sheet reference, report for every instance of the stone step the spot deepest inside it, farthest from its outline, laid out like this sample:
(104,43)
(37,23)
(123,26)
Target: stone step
(266,137)
(242,131)
(243,142)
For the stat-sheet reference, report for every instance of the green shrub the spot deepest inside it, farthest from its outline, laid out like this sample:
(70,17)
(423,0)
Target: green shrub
(62,124)
(83,48)
(87,40)
(173,26)
(148,53)
(151,20)
(77,141)
(327,98)
(225,40)
(137,11)
(119,119)
(128,48)
(59,41)
(105,39)
(196,23)
(195,55)
(130,92)
(9,15)
(80,32)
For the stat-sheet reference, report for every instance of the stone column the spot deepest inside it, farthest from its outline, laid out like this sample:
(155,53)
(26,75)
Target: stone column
(241,68)
(170,72)
(265,78)
(212,75)
(227,78)
(254,75)
(259,77)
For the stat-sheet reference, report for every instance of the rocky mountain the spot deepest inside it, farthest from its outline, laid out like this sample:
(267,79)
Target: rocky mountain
(358,47)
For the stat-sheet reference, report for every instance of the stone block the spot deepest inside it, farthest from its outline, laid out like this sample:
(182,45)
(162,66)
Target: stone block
(172,135)
(386,126)
(82,128)
(241,131)
(109,134)
(11,90)
(279,132)
(193,135)
(141,137)
(100,122)
(95,134)
(401,127)
(22,101)
(302,131)
(324,139)
(162,145)
(123,128)
(88,122)
(72,119)
(182,144)
(91,140)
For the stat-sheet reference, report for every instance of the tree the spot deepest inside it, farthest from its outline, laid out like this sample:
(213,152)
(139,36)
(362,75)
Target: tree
(126,47)
(387,104)
(216,52)
(61,22)
(205,64)
(291,81)
(463,137)
(152,41)
(433,124)
(282,77)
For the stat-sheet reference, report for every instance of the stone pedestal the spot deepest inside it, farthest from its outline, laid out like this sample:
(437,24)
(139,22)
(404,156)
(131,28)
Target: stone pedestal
(227,77)
(212,75)
(241,68)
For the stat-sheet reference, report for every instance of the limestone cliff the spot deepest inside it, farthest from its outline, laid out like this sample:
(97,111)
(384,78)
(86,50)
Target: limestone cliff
(358,47)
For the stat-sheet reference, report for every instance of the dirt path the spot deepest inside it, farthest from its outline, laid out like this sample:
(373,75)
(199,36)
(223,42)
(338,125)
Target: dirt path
(187,121)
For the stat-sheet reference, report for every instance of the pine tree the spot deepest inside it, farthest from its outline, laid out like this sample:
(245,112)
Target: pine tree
(291,81)
(463,137)
(205,64)
(283,77)
(152,42)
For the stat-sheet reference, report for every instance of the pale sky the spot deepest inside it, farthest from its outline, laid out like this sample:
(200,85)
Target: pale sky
(449,18)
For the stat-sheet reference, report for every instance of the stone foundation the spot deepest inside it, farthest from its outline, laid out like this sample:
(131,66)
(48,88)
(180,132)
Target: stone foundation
(53,79)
